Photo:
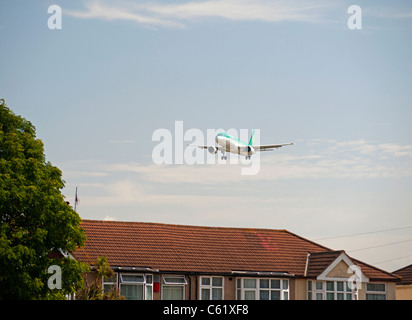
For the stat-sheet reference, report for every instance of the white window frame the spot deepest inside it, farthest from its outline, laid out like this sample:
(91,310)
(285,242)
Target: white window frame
(167,283)
(148,290)
(210,286)
(114,284)
(314,291)
(122,281)
(375,292)
(146,285)
(283,290)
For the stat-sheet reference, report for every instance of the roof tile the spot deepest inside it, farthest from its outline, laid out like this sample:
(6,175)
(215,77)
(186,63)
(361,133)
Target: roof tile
(183,248)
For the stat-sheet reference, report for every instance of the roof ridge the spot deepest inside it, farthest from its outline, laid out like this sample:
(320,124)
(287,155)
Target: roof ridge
(327,252)
(408,266)
(307,240)
(373,267)
(185,225)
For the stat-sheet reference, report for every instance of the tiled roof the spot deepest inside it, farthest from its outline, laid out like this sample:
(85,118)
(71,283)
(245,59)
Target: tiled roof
(374,273)
(405,274)
(319,261)
(183,248)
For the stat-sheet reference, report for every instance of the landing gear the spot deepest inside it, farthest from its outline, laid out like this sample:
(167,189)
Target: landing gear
(247,157)
(224,156)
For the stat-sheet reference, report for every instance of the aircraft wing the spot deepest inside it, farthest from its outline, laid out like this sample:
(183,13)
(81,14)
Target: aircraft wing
(269,147)
(204,147)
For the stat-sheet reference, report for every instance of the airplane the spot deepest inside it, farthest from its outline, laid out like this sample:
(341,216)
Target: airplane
(228,143)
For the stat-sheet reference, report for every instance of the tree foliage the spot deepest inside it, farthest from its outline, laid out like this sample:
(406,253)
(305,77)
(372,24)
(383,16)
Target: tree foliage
(93,290)
(34,217)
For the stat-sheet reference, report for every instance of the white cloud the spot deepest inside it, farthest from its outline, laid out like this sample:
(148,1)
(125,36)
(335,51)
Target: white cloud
(271,11)
(396,150)
(100,10)
(349,159)
(364,147)
(325,159)
(135,192)
(392,12)
(135,183)
(178,14)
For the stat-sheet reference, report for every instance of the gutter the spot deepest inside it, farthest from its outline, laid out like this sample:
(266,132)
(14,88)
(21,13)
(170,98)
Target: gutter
(264,273)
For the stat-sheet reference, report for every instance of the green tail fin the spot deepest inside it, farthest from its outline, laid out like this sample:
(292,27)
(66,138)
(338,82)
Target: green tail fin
(252,138)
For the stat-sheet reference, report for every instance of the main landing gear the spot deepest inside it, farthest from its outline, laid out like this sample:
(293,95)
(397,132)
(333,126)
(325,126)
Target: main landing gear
(224,156)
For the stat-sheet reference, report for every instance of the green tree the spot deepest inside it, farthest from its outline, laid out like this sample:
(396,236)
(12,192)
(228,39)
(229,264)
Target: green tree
(93,290)
(35,220)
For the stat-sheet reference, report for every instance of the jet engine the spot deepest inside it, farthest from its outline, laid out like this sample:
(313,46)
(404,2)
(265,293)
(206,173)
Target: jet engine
(212,150)
(250,150)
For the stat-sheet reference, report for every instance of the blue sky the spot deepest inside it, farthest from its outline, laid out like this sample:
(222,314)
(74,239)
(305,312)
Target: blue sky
(98,88)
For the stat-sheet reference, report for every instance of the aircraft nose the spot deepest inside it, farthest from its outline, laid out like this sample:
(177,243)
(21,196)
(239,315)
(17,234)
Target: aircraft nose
(217,139)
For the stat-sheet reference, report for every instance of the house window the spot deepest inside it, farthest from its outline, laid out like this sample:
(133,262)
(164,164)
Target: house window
(173,287)
(211,288)
(329,290)
(262,289)
(136,286)
(375,291)
(149,287)
(109,283)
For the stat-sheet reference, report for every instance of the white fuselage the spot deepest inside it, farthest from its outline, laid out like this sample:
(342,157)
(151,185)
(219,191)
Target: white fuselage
(234,145)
